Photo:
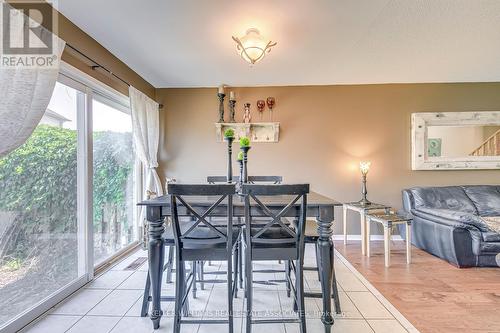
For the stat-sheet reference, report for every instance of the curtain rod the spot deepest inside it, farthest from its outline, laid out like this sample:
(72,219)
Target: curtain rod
(97,65)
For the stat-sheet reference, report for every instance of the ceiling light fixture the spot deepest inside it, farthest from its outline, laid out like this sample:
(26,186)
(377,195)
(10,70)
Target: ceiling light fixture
(253,46)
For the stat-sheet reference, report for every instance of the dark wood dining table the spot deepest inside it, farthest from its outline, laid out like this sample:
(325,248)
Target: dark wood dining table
(318,206)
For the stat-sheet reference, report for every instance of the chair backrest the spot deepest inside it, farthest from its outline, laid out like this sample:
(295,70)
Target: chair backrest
(256,192)
(179,196)
(251,179)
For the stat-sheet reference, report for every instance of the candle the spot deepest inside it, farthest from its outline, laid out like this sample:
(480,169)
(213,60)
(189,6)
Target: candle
(221,89)
(231,96)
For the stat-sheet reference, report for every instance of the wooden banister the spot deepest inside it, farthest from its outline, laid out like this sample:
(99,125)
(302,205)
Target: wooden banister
(490,147)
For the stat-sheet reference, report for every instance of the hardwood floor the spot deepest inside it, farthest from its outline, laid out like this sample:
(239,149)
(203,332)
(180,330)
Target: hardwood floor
(432,294)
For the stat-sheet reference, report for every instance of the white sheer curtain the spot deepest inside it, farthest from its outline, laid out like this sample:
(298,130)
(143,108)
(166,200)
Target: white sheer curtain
(25,92)
(146,130)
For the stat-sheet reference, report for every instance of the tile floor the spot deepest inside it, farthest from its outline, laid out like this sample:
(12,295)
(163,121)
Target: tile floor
(111,303)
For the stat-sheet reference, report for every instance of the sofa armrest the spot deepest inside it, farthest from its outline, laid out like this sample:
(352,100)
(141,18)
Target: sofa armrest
(451,218)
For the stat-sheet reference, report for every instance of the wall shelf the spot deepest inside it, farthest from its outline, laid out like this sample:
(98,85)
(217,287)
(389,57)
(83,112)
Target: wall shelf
(257,132)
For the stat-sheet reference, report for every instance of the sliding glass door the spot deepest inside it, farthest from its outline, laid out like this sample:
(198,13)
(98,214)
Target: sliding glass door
(67,198)
(113,182)
(40,228)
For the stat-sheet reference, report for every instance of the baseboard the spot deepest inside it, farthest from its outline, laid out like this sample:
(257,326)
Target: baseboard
(358,237)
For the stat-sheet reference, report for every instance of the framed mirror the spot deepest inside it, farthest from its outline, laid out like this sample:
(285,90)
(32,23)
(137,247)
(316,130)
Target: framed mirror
(455,140)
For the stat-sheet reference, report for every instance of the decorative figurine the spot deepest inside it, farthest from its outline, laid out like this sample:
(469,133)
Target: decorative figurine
(247,117)
(232,104)
(270,104)
(221,96)
(261,104)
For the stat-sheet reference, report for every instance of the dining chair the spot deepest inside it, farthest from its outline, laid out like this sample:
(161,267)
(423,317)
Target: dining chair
(202,241)
(252,180)
(275,241)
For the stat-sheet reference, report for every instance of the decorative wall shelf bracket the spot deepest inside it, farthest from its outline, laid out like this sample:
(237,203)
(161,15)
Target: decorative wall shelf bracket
(257,132)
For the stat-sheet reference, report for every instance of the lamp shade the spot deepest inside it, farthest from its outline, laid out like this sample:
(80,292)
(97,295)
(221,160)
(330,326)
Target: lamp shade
(253,46)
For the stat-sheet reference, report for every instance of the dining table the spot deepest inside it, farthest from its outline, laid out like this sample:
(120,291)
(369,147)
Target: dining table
(319,207)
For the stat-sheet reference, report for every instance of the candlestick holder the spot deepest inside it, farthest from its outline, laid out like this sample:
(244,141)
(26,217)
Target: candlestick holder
(232,104)
(240,181)
(245,150)
(229,141)
(221,107)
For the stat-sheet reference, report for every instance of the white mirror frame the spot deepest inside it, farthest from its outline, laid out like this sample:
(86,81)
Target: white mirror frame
(419,124)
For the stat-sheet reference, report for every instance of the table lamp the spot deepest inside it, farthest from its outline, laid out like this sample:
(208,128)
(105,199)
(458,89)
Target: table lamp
(364,167)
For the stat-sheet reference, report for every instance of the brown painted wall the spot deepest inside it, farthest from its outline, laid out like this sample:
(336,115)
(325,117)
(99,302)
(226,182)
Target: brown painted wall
(325,132)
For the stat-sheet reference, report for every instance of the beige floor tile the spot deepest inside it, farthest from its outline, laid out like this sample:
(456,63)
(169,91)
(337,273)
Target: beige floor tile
(368,305)
(133,325)
(109,280)
(135,281)
(386,326)
(81,302)
(52,324)
(117,303)
(91,324)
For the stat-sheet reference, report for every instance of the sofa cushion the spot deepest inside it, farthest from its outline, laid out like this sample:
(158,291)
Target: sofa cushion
(486,198)
(490,247)
(491,236)
(449,197)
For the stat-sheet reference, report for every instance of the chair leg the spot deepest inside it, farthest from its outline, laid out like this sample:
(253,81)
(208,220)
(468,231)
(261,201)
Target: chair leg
(170,264)
(179,294)
(299,281)
(193,271)
(145,298)
(185,308)
(236,273)
(230,292)
(249,291)
(201,274)
(240,259)
(335,290)
(288,277)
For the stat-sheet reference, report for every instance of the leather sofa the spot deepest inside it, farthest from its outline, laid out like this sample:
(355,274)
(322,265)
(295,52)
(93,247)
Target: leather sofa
(447,223)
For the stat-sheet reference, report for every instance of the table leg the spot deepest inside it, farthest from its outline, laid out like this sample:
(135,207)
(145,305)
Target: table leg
(387,245)
(156,255)
(344,221)
(325,251)
(368,222)
(408,243)
(363,232)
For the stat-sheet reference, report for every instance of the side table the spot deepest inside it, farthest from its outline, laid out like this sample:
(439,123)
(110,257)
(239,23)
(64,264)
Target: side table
(362,210)
(388,219)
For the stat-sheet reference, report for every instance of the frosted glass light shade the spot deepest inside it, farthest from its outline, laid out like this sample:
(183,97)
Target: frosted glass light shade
(253,46)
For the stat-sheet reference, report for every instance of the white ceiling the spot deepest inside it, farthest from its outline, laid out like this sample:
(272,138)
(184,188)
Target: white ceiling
(188,43)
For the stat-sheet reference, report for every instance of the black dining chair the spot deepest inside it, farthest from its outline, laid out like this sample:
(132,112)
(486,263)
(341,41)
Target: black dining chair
(275,240)
(202,241)
(235,179)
